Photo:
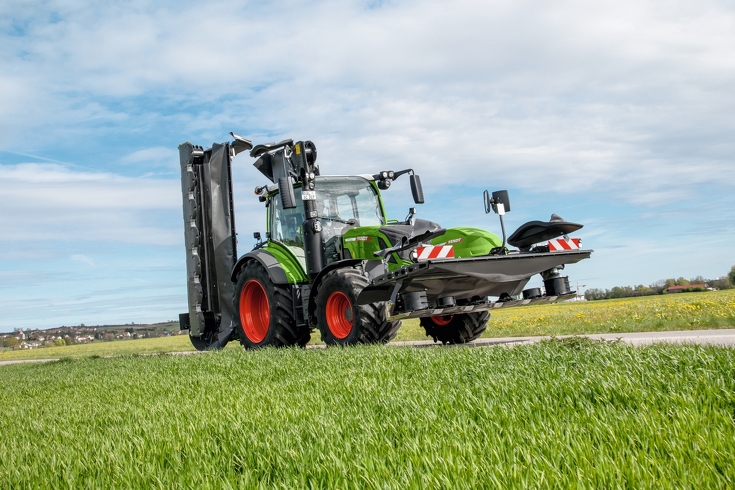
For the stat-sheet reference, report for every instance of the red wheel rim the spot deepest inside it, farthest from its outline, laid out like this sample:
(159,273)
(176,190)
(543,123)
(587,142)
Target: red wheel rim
(442,320)
(255,312)
(339,315)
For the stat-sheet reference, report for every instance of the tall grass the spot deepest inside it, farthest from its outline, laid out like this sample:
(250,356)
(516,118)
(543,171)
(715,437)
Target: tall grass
(568,413)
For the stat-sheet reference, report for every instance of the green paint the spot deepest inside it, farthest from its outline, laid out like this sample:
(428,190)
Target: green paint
(291,259)
(468,242)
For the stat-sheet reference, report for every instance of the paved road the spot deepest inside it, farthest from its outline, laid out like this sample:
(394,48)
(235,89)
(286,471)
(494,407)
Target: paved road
(723,337)
(23,361)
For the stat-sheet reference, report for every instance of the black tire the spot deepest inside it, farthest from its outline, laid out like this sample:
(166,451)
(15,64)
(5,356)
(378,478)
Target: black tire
(455,329)
(340,322)
(264,311)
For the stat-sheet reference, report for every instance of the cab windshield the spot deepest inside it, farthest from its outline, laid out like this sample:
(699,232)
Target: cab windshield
(344,203)
(344,199)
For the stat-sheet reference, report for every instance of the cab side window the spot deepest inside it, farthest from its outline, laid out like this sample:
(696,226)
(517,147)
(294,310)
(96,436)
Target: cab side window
(285,225)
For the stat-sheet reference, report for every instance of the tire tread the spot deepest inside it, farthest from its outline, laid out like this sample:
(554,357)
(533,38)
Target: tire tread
(460,330)
(370,322)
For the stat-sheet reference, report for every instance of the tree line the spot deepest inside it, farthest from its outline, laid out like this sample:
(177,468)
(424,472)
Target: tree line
(661,287)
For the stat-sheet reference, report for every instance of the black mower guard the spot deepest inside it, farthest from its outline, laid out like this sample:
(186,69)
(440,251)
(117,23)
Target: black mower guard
(468,281)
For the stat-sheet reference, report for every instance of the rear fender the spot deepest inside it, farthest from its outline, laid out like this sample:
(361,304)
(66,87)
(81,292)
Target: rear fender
(267,260)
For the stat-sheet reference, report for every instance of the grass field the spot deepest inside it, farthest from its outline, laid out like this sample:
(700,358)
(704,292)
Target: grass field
(178,343)
(571,413)
(715,309)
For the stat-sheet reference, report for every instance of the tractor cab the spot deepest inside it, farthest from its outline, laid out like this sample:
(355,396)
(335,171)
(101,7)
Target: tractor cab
(342,204)
(352,222)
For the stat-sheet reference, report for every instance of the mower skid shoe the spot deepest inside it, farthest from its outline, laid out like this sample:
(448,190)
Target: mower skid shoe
(463,279)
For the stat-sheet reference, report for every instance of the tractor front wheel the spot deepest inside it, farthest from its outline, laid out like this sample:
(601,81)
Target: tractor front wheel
(455,329)
(264,311)
(340,321)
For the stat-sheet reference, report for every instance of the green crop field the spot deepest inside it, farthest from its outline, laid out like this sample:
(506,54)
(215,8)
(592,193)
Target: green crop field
(715,309)
(572,413)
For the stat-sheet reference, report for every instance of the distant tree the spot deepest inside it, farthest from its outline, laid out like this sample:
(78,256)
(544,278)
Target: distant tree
(722,283)
(59,342)
(682,282)
(594,293)
(11,342)
(67,340)
(731,276)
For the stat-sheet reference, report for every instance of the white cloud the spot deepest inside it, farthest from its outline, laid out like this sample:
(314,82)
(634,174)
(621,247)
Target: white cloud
(52,202)
(156,156)
(562,96)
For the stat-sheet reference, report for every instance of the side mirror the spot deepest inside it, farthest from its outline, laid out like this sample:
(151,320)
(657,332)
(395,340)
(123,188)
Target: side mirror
(416,190)
(499,202)
(285,191)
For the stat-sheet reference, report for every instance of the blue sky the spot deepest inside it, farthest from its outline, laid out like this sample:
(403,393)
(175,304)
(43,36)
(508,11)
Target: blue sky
(616,114)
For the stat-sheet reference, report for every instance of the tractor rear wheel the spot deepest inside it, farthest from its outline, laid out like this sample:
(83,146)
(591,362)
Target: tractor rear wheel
(264,311)
(455,329)
(340,321)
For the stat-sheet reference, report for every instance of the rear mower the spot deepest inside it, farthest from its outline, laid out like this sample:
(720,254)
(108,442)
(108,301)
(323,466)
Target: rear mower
(331,260)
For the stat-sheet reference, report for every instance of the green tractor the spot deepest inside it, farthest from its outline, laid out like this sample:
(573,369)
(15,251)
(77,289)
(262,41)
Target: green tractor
(332,260)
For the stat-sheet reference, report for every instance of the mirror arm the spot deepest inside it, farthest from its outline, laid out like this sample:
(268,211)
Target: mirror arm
(502,227)
(401,172)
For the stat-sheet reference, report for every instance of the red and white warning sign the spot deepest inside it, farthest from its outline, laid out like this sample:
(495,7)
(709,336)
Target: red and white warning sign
(559,244)
(435,252)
